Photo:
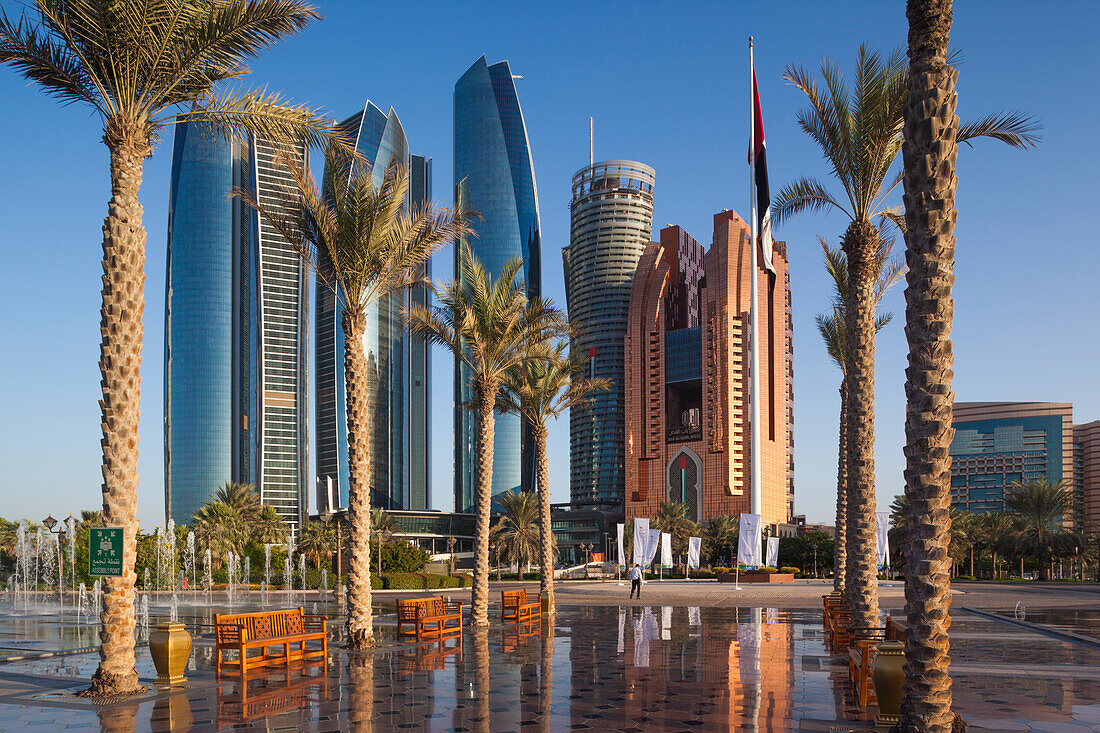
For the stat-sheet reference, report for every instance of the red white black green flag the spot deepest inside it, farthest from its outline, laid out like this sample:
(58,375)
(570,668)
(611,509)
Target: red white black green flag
(760,173)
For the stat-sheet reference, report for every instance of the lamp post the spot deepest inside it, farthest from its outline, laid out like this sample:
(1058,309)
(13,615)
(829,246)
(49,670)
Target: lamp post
(451,555)
(49,523)
(587,557)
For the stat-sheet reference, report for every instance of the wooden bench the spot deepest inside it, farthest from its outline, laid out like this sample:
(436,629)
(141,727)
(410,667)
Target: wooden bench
(515,608)
(861,657)
(895,630)
(430,618)
(289,628)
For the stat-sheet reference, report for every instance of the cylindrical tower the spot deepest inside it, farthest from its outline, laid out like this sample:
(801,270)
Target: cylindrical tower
(611,224)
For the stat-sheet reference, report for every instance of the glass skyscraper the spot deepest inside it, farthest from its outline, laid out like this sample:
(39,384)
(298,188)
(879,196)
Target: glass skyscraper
(399,390)
(493,176)
(611,222)
(235,331)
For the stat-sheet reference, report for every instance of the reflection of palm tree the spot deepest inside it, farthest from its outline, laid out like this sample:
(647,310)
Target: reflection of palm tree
(516,532)
(546,676)
(360,671)
(481,679)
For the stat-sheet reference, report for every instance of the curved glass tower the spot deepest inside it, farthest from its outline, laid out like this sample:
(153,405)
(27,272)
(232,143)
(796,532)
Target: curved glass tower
(611,224)
(399,391)
(235,331)
(493,175)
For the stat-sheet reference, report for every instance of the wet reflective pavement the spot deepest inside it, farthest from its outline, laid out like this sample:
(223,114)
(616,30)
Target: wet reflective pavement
(605,668)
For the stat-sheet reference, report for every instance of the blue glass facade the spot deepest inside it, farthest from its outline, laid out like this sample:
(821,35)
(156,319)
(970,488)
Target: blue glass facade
(235,331)
(989,455)
(209,353)
(493,175)
(399,403)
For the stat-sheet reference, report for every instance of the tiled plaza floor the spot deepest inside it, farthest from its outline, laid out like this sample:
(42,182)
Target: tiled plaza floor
(601,668)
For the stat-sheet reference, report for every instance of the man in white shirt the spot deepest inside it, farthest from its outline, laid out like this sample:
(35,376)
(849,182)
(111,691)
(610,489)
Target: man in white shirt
(636,580)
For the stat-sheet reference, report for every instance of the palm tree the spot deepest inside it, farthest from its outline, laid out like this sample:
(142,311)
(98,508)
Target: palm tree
(365,243)
(832,328)
(221,529)
(142,67)
(383,525)
(540,391)
(316,540)
(242,497)
(1040,508)
(268,528)
(672,518)
(931,137)
(996,528)
(719,535)
(517,530)
(490,327)
(859,134)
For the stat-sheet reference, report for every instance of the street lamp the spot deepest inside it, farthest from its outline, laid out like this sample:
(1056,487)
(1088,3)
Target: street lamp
(587,557)
(451,555)
(49,523)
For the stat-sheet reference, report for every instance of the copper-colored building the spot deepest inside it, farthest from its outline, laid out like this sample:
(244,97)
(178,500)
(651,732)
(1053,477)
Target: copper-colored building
(687,377)
(1086,473)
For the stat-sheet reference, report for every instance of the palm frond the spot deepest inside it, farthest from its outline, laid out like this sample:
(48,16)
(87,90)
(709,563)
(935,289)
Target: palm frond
(1011,128)
(50,64)
(805,194)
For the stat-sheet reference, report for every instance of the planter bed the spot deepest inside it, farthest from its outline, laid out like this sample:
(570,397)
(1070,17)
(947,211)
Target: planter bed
(751,577)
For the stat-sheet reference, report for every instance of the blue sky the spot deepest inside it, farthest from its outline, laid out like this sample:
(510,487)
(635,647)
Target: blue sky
(667,85)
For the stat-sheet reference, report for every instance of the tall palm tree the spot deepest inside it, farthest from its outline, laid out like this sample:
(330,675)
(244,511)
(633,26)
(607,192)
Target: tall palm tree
(719,536)
(141,67)
(996,528)
(316,540)
(268,528)
(517,530)
(932,134)
(242,497)
(221,529)
(383,525)
(859,133)
(1039,508)
(490,327)
(540,391)
(832,328)
(365,243)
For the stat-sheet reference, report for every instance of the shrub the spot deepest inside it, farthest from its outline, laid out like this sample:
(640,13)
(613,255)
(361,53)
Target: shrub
(706,574)
(431,580)
(465,579)
(450,581)
(721,571)
(375,582)
(790,570)
(965,577)
(402,581)
(399,557)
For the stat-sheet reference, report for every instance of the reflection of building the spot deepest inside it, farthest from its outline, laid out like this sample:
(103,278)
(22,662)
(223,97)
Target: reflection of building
(687,377)
(998,443)
(399,397)
(235,331)
(611,224)
(494,177)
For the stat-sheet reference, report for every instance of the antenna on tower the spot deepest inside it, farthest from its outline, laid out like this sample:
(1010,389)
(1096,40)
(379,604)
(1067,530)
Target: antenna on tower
(591,141)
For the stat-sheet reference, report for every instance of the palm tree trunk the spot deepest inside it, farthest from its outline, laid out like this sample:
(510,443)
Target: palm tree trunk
(546,531)
(840,540)
(121,334)
(486,427)
(929,152)
(860,246)
(360,617)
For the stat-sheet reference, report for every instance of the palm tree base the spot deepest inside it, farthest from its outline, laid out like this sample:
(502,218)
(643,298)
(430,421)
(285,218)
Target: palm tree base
(360,640)
(108,685)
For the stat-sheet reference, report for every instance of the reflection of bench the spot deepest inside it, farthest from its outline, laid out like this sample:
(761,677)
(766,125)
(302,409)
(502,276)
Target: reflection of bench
(430,618)
(430,657)
(273,697)
(515,608)
(244,632)
(515,637)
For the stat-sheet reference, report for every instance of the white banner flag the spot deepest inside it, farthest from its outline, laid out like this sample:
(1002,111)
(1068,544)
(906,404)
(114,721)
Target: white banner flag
(666,549)
(622,555)
(694,544)
(773,552)
(651,547)
(883,538)
(748,541)
(641,538)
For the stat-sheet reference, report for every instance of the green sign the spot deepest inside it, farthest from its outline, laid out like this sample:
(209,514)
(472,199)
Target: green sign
(105,551)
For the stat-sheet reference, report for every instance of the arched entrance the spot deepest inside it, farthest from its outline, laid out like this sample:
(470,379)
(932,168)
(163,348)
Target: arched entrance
(685,476)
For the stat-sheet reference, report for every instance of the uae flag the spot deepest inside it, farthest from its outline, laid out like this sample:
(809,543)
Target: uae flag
(760,173)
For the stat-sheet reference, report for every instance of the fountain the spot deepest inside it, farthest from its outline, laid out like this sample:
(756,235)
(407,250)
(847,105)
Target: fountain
(189,559)
(47,560)
(302,572)
(143,615)
(146,579)
(246,579)
(71,530)
(170,553)
(157,541)
(324,584)
(96,600)
(263,593)
(81,603)
(37,558)
(174,608)
(267,564)
(231,572)
(207,577)
(288,579)
(22,561)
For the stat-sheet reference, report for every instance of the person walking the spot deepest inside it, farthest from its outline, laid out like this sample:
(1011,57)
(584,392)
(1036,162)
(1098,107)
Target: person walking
(636,580)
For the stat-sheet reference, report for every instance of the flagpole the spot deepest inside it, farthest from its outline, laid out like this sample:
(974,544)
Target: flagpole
(754,384)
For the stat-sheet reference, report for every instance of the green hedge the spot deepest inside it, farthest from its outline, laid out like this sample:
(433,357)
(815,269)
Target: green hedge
(419,581)
(790,570)
(375,582)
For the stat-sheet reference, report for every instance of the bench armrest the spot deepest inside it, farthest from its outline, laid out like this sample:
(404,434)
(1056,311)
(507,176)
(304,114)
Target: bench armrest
(315,622)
